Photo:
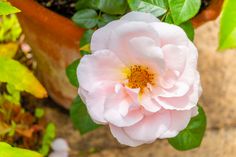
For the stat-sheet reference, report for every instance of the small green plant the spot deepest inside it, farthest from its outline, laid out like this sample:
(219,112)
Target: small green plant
(16,122)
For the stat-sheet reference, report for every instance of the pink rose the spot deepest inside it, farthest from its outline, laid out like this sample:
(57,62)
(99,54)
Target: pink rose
(141,79)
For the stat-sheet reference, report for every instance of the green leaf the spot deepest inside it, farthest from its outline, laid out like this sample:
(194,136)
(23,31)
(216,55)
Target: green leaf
(106,6)
(13,95)
(105,19)
(86,18)
(183,10)
(7,151)
(84,4)
(6,8)
(113,7)
(168,18)
(10,29)
(188,28)
(49,136)
(39,112)
(155,7)
(71,73)
(191,137)
(86,38)
(12,72)
(80,117)
(228,25)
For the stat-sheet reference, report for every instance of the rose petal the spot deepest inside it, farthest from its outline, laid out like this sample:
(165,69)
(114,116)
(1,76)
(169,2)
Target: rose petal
(175,57)
(101,37)
(139,16)
(151,127)
(179,121)
(123,138)
(186,102)
(113,105)
(170,34)
(120,37)
(95,104)
(149,103)
(98,68)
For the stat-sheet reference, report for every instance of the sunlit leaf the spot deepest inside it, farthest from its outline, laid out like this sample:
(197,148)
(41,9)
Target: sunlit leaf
(183,10)
(49,136)
(191,137)
(6,8)
(7,150)
(8,50)
(155,7)
(228,25)
(10,29)
(20,77)
(80,117)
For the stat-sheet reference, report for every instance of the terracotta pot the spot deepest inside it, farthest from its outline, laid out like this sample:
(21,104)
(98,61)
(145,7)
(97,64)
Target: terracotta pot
(55,43)
(208,14)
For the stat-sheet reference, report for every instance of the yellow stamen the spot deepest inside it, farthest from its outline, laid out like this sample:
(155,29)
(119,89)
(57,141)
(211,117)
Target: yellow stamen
(139,77)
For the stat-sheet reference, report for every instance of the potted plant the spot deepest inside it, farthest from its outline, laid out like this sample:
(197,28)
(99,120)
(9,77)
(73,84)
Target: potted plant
(55,42)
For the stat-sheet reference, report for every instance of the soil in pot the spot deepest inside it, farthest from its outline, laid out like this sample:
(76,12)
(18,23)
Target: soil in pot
(67,7)
(62,7)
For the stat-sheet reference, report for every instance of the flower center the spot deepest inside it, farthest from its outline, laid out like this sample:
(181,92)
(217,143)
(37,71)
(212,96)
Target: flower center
(139,77)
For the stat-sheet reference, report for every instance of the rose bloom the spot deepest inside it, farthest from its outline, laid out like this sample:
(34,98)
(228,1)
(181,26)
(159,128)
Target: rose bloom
(141,79)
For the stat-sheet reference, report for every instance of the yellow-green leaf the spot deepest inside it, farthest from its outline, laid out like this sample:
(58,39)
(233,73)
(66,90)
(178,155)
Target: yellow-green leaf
(14,73)
(6,8)
(85,48)
(7,150)
(228,25)
(8,50)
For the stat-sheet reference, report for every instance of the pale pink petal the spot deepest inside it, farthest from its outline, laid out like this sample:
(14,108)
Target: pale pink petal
(148,52)
(175,57)
(132,93)
(189,73)
(168,79)
(140,16)
(149,103)
(123,138)
(170,34)
(113,105)
(186,102)
(95,103)
(179,121)
(179,89)
(121,36)
(101,37)
(98,68)
(194,111)
(151,127)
